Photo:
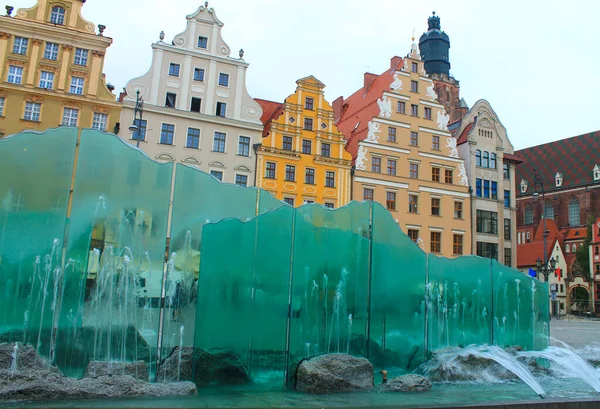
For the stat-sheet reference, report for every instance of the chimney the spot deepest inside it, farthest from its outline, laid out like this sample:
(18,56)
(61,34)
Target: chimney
(338,106)
(369,78)
(395,63)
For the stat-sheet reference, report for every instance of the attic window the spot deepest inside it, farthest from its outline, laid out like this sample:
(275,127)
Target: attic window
(292,120)
(524,186)
(324,125)
(596,173)
(202,42)
(57,15)
(558,179)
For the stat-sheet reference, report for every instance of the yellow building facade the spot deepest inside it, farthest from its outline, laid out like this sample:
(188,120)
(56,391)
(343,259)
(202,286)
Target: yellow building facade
(51,63)
(302,157)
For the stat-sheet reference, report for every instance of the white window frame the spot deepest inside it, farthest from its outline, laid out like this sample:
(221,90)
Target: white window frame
(224,142)
(51,51)
(174,65)
(100,121)
(2,102)
(77,84)
(12,73)
(219,80)
(68,118)
(56,17)
(198,69)
(46,80)
(20,45)
(33,111)
(81,57)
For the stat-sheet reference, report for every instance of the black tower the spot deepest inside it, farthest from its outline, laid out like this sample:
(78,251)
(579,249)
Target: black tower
(435,47)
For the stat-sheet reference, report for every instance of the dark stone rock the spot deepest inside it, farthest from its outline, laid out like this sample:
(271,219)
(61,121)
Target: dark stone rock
(377,355)
(28,359)
(334,373)
(406,383)
(138,370)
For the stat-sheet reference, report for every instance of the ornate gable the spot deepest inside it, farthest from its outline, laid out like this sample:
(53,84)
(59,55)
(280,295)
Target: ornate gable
(203,33)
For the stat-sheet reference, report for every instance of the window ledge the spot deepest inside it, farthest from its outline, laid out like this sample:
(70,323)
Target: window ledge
(165,144)
(218,152)
(30,120)
(191,147)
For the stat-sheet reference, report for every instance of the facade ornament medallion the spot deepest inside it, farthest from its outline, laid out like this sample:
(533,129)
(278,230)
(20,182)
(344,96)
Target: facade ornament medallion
(34,98)
(451,144)
(361,158)
(463,180)
(442,120)
(374,130)
(101,109)
(37,42)
(431,92)
(397,84)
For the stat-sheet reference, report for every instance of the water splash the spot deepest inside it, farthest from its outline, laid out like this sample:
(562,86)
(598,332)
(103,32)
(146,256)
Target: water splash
(181,330)
(349,333)
(14,355)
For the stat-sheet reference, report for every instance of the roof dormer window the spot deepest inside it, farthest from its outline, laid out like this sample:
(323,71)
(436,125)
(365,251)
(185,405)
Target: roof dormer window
(202,42)
(596,173)
(57,15)
(524,186)
(558,179)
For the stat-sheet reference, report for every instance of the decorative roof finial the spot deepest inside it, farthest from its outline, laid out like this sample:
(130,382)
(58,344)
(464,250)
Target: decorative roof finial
(9,10)
(434,12)
(241,53)
(206,4)
(413,36)
(101,29)
(161,35)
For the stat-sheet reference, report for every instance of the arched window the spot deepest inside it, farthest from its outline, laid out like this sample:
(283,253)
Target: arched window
(486,160)
(57,16)
(478,157)
(528,217)
(574,213)
(493,160)
(548,211)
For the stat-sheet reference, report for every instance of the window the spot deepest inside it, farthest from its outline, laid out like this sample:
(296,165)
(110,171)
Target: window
(390,202)
(57,15)
(506,170)
(414,110)
(435,174)
(202,42)
(287,143)
(219,142)
(32,111)
(458,210)
(241,180)
(486,188)
(325,150)
(457,244)
(198,74)
(141,132)
(368,194)
(81,57)
(174,70)
(414,67)
(478,157)
(289,200)
(376,165)
(414,171)
(76,85)
(492,160)
(414,139)
(494,190)
(166,134)
(391,167)
(195,105)
(308,124)
(244,146)
(435,143)
(329,179)
(428,113)
(217,174)
(221,109)
(20,45)
(193,138)
(486,160)
(223,79)
(308,103)
(170,100)
(487,222)
(488,250)
(46,80)
(309,177)
(70,116)
(2,100)
(507,198)
(51,51)
(548,211)
(270,171)
(436,242)
(100,121)
(478,183)
(329,205)
(306,146)
(528,214)
(290,173)
(574,213)
(435,206)
(401,107)
(414,86)
(391,134)
(413,234)
(448,176)
(413,201)
(507,229)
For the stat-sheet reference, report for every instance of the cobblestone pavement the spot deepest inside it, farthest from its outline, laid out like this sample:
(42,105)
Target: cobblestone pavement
(575,332)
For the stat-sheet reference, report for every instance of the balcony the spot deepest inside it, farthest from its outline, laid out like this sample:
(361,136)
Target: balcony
(328,159)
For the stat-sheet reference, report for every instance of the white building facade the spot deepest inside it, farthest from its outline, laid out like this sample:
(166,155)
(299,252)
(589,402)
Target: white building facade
(196,108)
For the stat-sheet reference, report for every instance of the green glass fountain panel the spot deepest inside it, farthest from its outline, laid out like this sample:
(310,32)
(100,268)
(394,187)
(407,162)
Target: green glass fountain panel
(36,171)
(397,296)
(117,234)
(459,297)
(267,202)
(330,281)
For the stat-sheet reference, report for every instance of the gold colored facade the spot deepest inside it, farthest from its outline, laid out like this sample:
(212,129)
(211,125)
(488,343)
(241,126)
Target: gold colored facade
(51,63)
(302,157)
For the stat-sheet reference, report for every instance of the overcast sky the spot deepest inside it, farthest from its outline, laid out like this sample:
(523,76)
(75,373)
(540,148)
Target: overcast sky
(535,61)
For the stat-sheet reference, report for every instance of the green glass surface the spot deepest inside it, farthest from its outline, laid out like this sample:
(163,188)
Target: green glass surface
(397,296)
(36,171)
(116,244)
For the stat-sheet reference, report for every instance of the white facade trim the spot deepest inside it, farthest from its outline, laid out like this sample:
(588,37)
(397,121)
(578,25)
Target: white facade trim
(434,131)
(385,148)
(440,157)
(392,123)
(442,191)
(382,182)
(431,104)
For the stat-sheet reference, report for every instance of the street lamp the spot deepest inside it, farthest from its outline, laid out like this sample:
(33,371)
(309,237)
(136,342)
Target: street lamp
(546,269)
(138,110)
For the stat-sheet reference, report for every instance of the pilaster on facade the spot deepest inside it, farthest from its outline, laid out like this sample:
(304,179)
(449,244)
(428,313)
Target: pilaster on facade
(196,105)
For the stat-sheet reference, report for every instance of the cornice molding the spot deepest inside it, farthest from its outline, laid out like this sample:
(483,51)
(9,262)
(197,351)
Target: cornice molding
(199,54)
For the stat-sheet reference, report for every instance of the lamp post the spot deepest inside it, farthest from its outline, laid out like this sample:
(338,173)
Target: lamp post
(138,110)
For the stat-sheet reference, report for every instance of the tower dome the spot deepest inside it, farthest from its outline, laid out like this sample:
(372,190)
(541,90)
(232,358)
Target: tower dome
(435,48)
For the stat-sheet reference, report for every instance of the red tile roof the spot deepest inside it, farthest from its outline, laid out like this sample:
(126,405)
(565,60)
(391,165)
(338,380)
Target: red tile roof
(511,157)
(577,233)
(464,136)
(271,111)
(528,253)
